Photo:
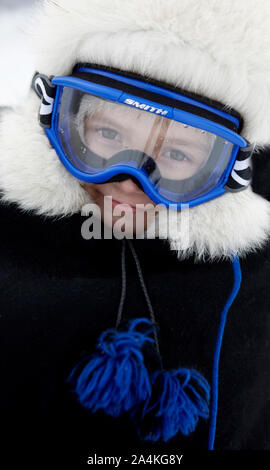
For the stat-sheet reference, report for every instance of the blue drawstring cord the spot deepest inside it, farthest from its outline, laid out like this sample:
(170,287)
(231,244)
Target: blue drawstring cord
(215,370)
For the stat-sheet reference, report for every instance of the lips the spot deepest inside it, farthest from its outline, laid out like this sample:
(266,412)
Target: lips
(114,201)
(125,205)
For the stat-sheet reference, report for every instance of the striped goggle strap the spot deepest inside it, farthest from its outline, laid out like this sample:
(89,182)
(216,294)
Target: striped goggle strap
(43,87)
(241,173)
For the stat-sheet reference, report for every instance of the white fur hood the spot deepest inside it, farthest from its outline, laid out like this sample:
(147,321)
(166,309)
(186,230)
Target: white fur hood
(217,49)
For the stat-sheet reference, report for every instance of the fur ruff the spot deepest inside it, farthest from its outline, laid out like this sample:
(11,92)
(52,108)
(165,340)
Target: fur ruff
(217,49)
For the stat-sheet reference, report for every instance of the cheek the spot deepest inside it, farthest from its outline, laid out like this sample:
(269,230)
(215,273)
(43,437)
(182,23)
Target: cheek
(147,200)
(98,191)
(105,189)
(92,190)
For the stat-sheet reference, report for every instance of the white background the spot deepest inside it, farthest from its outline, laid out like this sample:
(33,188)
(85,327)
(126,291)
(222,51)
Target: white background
(15,51)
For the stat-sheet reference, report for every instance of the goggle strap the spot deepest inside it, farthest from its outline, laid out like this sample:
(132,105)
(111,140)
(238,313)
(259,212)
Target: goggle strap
(241,173)
(46,91)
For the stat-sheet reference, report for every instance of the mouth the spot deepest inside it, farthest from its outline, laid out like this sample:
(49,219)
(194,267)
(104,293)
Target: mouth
(127,206)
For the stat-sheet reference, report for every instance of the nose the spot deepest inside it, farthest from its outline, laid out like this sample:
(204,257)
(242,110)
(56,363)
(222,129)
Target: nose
(129,186)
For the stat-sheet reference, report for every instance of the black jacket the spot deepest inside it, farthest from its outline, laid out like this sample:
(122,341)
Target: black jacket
(59,292)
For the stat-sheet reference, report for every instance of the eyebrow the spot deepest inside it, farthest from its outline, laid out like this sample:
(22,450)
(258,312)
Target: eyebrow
(109,122)
(190,142)
(183,141)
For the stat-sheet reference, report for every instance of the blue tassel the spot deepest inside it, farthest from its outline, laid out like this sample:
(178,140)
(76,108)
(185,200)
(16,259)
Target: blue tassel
(178,399)
(115,378)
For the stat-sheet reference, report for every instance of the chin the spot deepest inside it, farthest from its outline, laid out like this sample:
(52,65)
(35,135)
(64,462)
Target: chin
(128,227)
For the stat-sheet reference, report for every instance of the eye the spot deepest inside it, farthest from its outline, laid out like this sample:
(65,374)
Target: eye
(107,133)
(176,155)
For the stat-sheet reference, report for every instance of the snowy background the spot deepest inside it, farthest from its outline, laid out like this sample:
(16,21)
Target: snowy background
(15,51)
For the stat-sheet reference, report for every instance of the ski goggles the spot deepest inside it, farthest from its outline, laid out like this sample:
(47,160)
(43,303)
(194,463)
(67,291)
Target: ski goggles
(107,126)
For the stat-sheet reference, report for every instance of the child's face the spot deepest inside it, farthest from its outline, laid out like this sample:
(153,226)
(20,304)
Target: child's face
(178,152)
(123,192)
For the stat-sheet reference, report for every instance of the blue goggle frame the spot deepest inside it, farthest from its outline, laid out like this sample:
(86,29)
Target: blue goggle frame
(236,176)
